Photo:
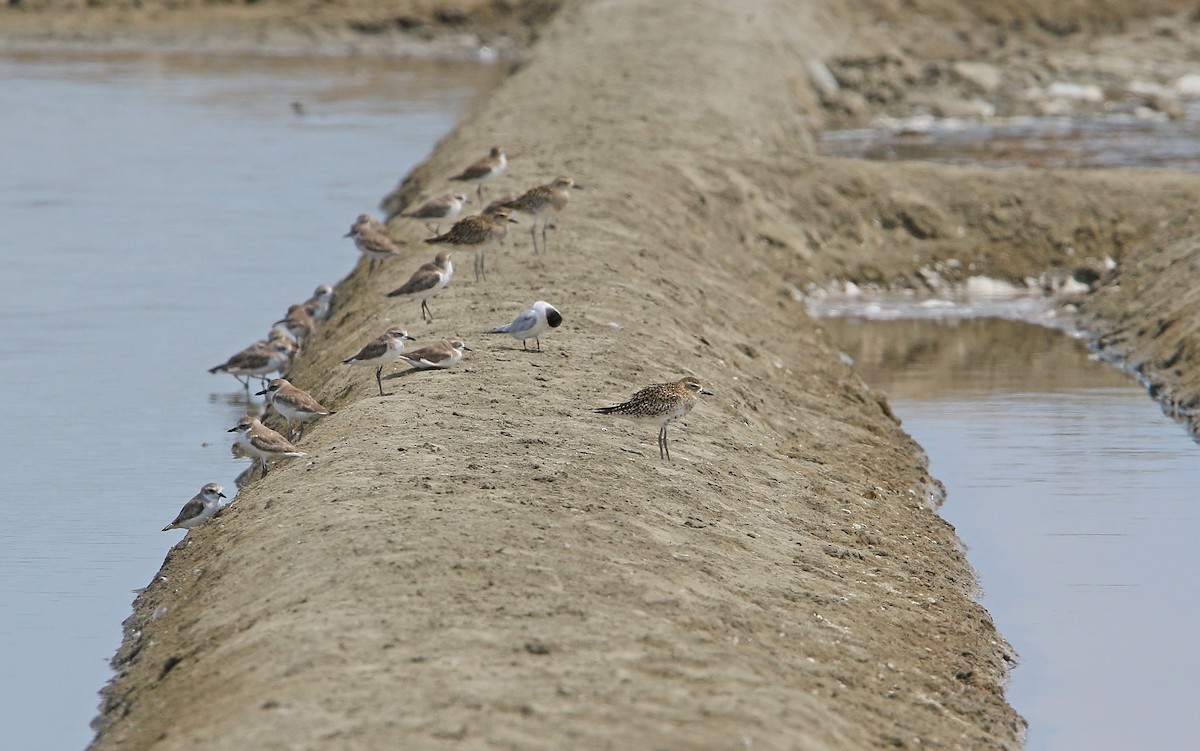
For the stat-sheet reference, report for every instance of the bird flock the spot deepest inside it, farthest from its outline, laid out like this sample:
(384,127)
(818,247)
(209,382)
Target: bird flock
(658,403)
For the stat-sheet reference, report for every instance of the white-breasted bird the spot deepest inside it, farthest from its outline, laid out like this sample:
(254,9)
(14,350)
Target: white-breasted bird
(530,324)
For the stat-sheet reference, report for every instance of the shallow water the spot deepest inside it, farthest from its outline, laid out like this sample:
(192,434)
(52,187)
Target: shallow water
(1075,497)
(1052,142)
(160,212)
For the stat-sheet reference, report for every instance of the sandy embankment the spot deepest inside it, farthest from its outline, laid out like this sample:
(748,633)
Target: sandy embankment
(479,562)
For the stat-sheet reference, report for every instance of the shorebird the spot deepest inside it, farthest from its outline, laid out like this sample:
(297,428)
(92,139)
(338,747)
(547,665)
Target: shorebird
(447,206)
(317,306)
(486,168)
(445,354)
(661,403)
(261,443)
(501,202)
(477,231)
(538,202)
(372,239)
(427,281)
(298,323)
(531,323)
(295,404)
(384,349)
(203,506)
(259,359)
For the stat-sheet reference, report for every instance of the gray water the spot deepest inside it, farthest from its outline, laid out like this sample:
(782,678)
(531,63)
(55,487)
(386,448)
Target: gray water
(1075,497)
(158,213)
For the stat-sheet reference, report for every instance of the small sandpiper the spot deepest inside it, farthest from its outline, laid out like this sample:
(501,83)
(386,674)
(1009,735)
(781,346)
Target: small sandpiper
(538,203)
(261,443)
(477,231)
(486,168)
(203,506)
(259,359)
(426,282)
(318,305)
(382,350)
(298,323)
(660,403)
(445,354)
(531,323)
(373,241)
(444,207)
(295,404)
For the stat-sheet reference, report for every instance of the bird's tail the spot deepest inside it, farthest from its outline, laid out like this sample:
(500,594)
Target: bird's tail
(217,368)
(499,329)
(436,240)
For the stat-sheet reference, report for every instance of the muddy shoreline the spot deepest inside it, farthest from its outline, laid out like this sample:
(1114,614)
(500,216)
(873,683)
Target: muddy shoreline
(476,561)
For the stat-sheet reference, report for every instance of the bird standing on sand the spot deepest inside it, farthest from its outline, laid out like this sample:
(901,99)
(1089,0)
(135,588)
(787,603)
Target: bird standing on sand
(203,506)
(538,203)
(261,443)
(447,206)
(477,231)
(486,168)
(430,279)
(382,350)
(372,240)
(661,403)
(294,404)
(531,323)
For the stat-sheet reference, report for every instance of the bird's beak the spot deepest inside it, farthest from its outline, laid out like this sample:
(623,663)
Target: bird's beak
(577,186)
(348,234)
(512,221)
(706,392)
(410,338)
(468,348)
(232,430)
(221,495)
(260,393)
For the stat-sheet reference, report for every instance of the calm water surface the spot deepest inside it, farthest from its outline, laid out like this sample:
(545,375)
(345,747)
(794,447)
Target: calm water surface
(159,213)
(1076,499)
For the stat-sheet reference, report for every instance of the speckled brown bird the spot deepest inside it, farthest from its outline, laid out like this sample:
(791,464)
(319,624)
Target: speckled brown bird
(477,231)
(660,403)
(540,201)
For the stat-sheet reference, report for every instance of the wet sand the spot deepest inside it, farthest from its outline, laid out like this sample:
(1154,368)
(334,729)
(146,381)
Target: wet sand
(478,561)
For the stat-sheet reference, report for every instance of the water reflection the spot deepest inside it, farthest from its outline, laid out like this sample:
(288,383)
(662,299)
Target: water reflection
(1075,498)
(160,212)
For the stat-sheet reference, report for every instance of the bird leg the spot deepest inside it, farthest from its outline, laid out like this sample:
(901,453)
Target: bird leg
(663,451)
(379,379)
(544,223)
(264,466)
(480,272)
(426,311)
(533,235)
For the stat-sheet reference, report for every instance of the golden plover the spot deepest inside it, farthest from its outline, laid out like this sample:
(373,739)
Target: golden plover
(661,403)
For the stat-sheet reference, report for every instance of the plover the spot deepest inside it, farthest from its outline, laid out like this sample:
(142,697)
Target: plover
(531,323)
(427,281)
(661,403)
(298,323)
(384,349)
(446,206)
(372,239)
(318,305)
(203,506)
(486,168)
(538,202)
(445,354)
(295,404)
(258,360)
(261,443)
(477,231)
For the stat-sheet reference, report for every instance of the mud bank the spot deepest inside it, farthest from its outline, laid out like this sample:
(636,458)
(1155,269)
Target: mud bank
(477,561)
